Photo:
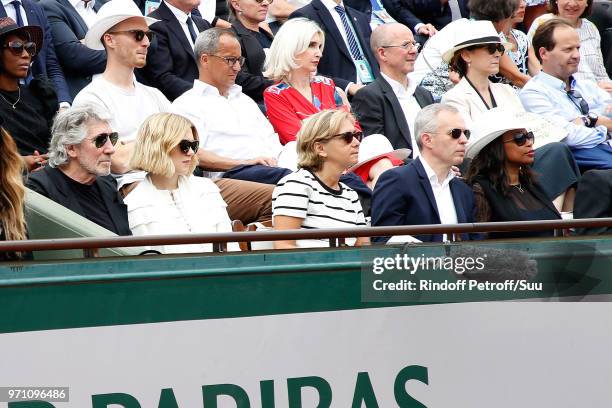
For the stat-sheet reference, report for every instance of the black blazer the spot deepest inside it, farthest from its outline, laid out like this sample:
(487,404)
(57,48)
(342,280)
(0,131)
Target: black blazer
(45,63)
(403,196)
(412,12)
(594,199)
(250,77)
(171,63)
(78,62)
(336,61)
(50,183)
(378,111)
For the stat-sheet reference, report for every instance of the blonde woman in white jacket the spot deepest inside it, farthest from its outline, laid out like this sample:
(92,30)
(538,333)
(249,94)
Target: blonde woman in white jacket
(171,200)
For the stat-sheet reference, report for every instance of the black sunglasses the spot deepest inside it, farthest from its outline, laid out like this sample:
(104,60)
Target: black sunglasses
(521,138)
(491,48)
(100,140)
(574,96)
(456,133)
(349,136)
(184,145)
(17,47)
(139,35)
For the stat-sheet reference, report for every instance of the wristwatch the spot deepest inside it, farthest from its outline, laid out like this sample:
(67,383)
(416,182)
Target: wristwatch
(590,119)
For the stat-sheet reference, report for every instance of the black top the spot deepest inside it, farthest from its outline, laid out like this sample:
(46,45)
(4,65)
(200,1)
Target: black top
(26,123)
(263,38)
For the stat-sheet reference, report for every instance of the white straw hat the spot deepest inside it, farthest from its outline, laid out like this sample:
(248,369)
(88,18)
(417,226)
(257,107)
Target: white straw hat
(109,15)
(489,126)
(474,33)
(374,146)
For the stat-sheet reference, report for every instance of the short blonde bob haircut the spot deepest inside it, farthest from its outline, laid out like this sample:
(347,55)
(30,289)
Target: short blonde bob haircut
(320,127)
(292,39)
(157,136)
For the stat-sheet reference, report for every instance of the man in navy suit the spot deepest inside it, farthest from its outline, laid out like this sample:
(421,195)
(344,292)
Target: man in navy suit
(69,21)
(426,191)
(171,63)
(347,57)
(25,12)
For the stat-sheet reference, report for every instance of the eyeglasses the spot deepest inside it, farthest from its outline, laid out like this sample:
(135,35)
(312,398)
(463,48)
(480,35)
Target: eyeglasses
(100,140)
(521,138)
(184,145)
(408,45)
(139,35)
(231,61)
(261,1)
(574,96)
(17,47)
(456,133)
(349,136)
(491,48)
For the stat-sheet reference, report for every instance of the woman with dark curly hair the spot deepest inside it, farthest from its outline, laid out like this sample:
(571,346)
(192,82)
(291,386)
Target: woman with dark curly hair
(28,110)
(505,188)
(12,194)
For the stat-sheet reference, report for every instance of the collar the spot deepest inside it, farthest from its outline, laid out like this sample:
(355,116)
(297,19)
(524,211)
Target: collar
(205,89)
(81,4)
(431,174)
(398,88)
(180,15)
(8,3)
(330,4)
(554,82)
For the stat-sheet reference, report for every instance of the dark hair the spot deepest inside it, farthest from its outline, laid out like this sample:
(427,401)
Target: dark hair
(553,7)
(492,10)
(489,163)
(543,36)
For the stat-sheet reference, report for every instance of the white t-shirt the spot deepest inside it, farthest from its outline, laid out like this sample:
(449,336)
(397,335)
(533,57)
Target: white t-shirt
(303,195)
(128,110)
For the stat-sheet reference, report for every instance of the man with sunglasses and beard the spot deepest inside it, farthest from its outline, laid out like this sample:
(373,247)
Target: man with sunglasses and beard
(582,108)
(77,176)
(426,191)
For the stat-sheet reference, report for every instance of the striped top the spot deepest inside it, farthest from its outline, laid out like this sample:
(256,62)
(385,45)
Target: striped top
(591,65)
(303,195)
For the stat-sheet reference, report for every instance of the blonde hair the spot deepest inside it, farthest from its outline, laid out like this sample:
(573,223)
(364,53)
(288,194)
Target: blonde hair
(12,191)
(320,127)
(293,38)
(158,135)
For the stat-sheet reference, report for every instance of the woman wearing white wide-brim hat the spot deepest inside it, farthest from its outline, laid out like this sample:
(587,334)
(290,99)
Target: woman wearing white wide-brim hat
(505,187)
(475,57)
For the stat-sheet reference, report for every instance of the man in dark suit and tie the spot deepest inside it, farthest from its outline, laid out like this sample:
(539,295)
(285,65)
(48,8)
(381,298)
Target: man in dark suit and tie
(69,21)
(347,57)
(27,12)
(390,104)
(426,191)
(171,62)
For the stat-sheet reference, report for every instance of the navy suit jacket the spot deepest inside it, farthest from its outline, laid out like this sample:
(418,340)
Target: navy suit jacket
(413,12)
(336,61)
(78,62)
(45,62)
(403,196)
(378,111)
(171,63)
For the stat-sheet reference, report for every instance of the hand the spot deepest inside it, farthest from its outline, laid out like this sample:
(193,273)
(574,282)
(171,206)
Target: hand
(36,161)
(266,161)
(456,170)
(454,77)
(427,29)
(605,85)
(353,88)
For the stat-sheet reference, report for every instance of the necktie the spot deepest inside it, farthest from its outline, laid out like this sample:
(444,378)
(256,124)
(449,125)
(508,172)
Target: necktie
(353,46)
(454,8)
(191,29)
(18,19)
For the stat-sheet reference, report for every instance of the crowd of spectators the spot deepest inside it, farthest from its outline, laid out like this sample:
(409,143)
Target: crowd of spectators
(175,117)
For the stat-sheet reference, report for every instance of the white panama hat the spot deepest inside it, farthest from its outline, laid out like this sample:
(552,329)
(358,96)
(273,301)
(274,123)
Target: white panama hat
(489,126)
(109,15)
(375,146)
(474,33)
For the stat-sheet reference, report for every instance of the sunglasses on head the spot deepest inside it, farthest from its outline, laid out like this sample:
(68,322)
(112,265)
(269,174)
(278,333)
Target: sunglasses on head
(139,35)
(17,47)
(456,133)
(100,140)
(521,138)
(349,136)
(184,145)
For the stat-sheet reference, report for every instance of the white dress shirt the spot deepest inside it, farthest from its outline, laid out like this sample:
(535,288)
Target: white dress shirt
(231,126)
(409,105)
(10,11)
(86,12)
(181,16)
(442,194)
(208,10)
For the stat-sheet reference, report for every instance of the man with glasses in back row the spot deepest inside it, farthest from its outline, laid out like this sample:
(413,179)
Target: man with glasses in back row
(580,107)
